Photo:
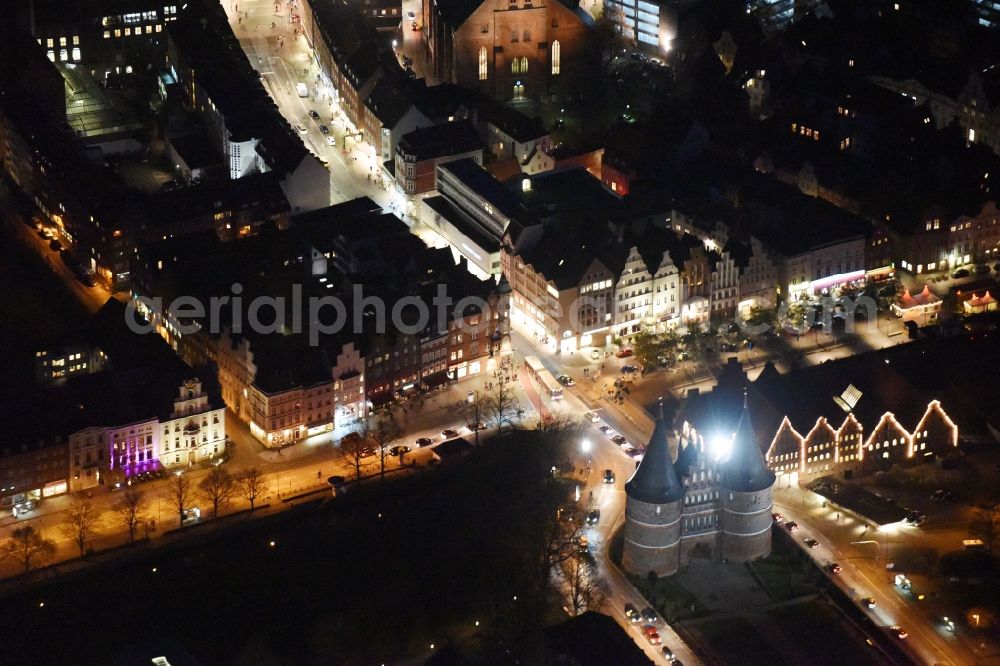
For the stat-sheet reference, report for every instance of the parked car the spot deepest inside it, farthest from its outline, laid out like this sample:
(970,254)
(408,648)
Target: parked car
(812,543)
(898,632)
(624,353)
(606,429)
(331,140)
(649,615)
(668,654)
(834,568)
(777,517)
(868,602)
(791,526)
(476,426)
(594,517)
(191,515)
(652,635)
(367,452)
(301,128)
(960,273)
(609,476)
(941,495)
(632,613)
(565,380)
(449,433)
(628,369)
(324,129)
(424,441)
(313,114)
(595,354)
(400,450)
(619,440)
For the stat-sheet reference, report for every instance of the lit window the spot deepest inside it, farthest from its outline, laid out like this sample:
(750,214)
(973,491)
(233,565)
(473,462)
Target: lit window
(63,55)
(128,32)
(76,53)
(118,32)
(62,41)
(76,40)
(556,57)
(51,55)
(50,42)
(107,34)
(483,69)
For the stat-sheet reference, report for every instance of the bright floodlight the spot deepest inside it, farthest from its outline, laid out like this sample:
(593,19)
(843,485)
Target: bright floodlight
(720,446)
(585,445)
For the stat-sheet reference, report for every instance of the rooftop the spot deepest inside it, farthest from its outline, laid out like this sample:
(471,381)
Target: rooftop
(452,138)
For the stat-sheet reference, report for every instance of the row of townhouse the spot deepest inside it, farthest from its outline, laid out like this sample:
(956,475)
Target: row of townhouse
(292,382)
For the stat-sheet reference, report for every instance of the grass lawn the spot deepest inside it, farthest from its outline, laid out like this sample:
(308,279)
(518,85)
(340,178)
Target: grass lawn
(671,600)
(781,573)
(812,627)
(736,641)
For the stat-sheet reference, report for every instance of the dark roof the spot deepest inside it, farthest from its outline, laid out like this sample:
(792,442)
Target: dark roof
(452,448)
(460,221)
(258,190)
(745,470)
(455,12)
(655,480)
(479,180)
(858,499)
(196,150)
(389,101)
(592,639)
(441,140)
(793,223)
(510,121)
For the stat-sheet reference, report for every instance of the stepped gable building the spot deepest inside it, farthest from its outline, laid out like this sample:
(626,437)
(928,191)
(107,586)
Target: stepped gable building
(697,507)
(507,49)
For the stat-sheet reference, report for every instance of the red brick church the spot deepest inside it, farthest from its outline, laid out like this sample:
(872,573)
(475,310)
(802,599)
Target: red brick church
(508,49)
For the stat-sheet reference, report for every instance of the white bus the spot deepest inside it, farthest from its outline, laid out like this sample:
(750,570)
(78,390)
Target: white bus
(547,383)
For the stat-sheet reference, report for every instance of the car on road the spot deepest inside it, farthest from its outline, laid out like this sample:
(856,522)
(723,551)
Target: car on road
(476,426)
(449,433)
(410,15)
(424,441)
(777,517)
(331,140)
(191,515)
(619,440)
(324,129)
(941,495)
(632,613)
(44,233)
(594,517)
(868,602)
(628,369)
(565,380)
(649,615)
(367,452)
(960,273)
(791,526)
(624,353)
(812,543)
(898,632)
(609,476)
(413,26)
(668,654)
(595,417)
(652,635)
(606,429)
(630,450)
(400,450)
(22,508)
(55,245)
(313,114)
(301,128)
(834,568)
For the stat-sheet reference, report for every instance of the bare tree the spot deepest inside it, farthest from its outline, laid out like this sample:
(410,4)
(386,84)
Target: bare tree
(501,406)
(179,494)
(217,489)
(81,526)
(131,508)
(27,546)
(985,524)
(251,484)
(560,540)
(354,449)
(586,590)
(384,432)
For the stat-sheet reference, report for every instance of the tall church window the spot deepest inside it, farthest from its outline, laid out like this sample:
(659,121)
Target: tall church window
(519,65)
(556,57)
(483,71)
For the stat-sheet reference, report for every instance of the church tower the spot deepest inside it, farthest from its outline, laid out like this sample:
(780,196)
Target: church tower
(653,505)
(746,485)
